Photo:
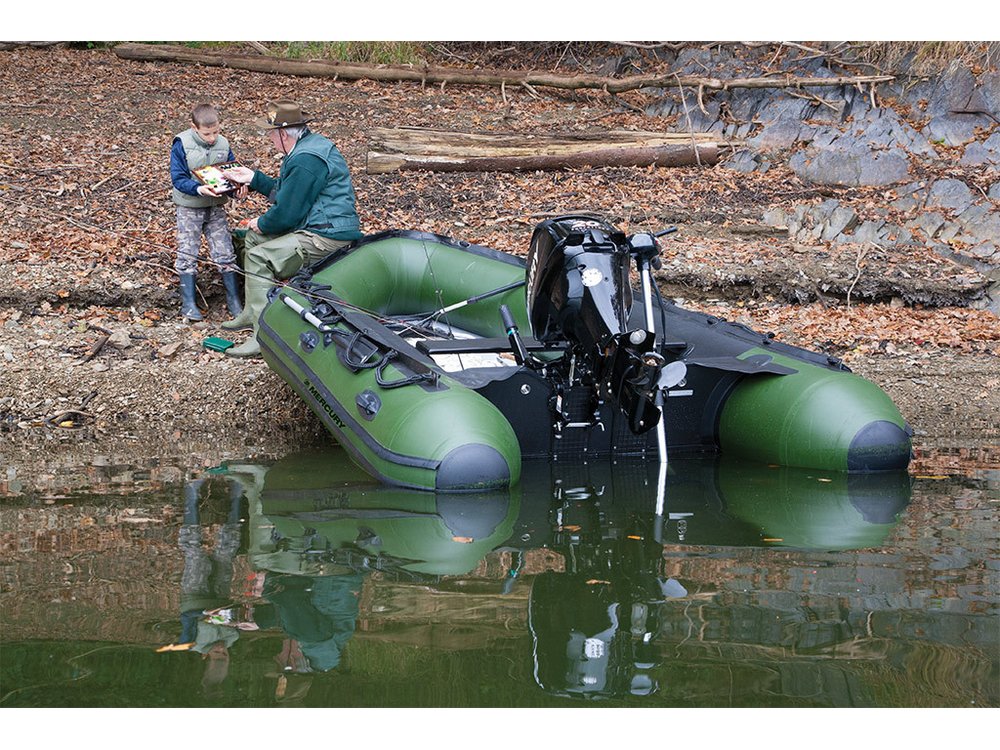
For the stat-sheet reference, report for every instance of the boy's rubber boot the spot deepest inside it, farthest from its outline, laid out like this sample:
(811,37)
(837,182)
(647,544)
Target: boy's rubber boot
(232,287)
(189,310)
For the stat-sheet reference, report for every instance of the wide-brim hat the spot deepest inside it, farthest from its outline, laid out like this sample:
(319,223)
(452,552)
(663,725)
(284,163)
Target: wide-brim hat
(283,113)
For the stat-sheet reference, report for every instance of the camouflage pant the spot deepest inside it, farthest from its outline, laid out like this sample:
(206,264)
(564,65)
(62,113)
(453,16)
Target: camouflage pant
(191,224)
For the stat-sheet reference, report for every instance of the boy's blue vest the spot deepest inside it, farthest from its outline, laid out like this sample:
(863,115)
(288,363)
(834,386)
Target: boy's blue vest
(333,212)
(200,154)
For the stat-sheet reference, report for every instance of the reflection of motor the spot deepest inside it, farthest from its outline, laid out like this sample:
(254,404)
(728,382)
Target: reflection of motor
(593,626)
(578,290)
(587,643)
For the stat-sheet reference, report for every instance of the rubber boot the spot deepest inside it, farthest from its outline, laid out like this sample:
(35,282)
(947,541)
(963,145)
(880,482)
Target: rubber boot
(249,348)
(257,289)
(242,322)
(189,310)
(232,287)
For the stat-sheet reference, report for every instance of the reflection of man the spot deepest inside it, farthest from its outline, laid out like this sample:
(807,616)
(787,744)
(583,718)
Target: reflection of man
(312,215)
(319,613)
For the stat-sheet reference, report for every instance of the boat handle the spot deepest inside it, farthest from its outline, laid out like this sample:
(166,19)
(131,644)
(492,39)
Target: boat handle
(305,313)
(424,377)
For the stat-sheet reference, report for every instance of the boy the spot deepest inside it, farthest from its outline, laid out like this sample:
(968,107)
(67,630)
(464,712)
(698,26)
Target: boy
(201,210)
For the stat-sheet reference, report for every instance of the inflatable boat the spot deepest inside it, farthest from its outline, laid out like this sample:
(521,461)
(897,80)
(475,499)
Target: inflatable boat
(438,364)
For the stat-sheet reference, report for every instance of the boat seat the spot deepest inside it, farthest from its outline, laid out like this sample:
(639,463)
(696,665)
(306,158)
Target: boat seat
(481,345)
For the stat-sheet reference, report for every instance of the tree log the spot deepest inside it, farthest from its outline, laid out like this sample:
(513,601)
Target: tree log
(393,149)
(483,77)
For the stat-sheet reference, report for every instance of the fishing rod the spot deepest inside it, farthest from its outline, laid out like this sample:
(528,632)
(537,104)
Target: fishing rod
(422,319)
(477,297)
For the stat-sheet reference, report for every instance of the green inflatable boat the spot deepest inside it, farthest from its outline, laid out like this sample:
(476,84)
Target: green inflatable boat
(438,364)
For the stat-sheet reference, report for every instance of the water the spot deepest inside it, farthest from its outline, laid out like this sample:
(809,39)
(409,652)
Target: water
(298,582)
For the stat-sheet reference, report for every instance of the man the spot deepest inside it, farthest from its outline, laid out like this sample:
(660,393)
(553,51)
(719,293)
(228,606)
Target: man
(313,212)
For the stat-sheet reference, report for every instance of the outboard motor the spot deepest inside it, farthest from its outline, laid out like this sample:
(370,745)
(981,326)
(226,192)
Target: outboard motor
(578,291)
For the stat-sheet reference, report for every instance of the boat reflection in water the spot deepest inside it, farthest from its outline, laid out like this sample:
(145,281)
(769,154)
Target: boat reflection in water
(316,532)
(318,527)
(594,625)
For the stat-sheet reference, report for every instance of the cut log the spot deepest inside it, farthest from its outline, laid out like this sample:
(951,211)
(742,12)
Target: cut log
(436,74)
(398,149)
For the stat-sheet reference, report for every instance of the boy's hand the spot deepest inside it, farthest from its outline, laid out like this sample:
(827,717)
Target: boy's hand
(207,191)
(242,175)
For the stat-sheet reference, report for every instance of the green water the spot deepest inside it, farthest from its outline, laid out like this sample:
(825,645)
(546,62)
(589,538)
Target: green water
(752,587)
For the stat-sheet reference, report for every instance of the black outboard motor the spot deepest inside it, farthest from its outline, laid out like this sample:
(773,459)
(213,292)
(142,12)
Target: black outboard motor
(578,291)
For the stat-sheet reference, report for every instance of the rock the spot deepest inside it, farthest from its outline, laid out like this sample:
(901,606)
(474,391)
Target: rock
(928,222)
(975,155)
(989,90)
(169,350)
(955,129)
(869,231)
(120,339)
(950,193)
(775,217)
(855,166)
(994,192)
(896,235)
(979,154)
(979,222)
(884,128)
(742,161)
(910,197)
(797,220)
(778,136)
(739,131)
(984,250)
(953,90)
(842,219)
(948,231)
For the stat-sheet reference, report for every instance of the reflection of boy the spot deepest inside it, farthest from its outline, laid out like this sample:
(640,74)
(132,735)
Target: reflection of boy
(206,579)
(200,210)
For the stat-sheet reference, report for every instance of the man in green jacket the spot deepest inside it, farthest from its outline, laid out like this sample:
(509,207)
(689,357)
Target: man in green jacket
(313,212)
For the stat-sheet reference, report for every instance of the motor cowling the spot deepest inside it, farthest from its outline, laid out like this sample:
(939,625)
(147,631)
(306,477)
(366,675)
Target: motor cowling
(578,291)
(577,281)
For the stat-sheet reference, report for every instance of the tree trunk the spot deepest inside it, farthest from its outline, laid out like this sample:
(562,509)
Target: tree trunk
(427,74)
(392,149)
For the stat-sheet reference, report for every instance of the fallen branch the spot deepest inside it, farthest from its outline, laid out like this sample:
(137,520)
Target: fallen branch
(72,419)
(395,149)
(426,74)
(859,265)
(15,45)
(259,47)
(96,350)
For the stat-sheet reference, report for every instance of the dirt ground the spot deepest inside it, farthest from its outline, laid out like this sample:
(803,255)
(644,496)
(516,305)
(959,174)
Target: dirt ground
(95,361)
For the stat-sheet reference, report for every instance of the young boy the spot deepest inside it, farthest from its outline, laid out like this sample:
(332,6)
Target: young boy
(200,210)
